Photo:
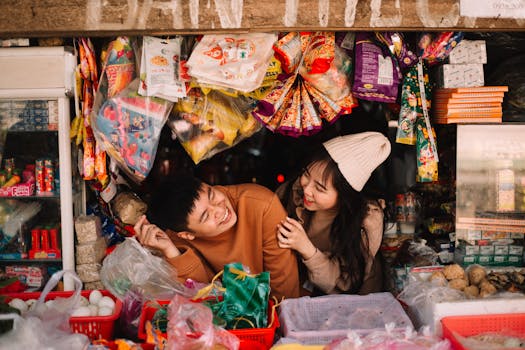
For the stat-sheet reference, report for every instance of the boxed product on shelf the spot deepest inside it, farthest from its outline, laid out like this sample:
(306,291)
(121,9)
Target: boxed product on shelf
(95,327)
(319,320)
(460,75)
(469,51)
(499,327)
(251,338)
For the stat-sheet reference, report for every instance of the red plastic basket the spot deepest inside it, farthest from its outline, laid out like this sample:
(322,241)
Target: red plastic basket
(251,338)
(95,327)
(477,324)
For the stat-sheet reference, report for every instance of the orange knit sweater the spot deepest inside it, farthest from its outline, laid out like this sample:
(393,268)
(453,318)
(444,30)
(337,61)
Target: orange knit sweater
(251,241)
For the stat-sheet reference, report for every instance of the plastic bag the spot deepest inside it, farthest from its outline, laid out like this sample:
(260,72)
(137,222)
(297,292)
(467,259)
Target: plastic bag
(245,302)
(160,68)
(131,266)
(391,339)
(206,124)
(190,326)
(127,126)
(46,325)
(237,61)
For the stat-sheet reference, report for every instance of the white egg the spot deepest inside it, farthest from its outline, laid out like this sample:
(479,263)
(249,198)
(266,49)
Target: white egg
(105,311)
(82,311)
(95,296)
(107,302)
(83,301)
(93,309)
(19,304)
(30,302)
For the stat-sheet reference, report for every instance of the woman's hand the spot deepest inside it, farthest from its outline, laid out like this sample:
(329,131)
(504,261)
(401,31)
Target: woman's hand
(150,235)
(373,225)
(291,234)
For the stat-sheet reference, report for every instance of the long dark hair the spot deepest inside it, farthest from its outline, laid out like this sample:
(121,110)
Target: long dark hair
(348,243)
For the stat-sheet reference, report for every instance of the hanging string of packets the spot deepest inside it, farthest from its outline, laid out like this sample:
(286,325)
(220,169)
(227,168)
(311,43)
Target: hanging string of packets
(315,85)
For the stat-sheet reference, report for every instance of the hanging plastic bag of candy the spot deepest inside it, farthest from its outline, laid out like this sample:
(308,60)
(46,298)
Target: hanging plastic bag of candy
(237,61)
(436,48)
(326,67)
(427,165)
(127,126)
(377,74)
(159,68)
(411,105)
(206,124)
(119,67)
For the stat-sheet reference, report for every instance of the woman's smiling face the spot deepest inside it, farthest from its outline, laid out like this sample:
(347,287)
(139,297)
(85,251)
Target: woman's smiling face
(213,213)
(318,191)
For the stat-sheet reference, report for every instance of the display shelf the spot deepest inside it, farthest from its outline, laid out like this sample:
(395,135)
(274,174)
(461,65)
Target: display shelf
(30,261)
(35,114)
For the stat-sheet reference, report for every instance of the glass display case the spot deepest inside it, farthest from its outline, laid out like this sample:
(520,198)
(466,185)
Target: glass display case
(40,190)
(490,194)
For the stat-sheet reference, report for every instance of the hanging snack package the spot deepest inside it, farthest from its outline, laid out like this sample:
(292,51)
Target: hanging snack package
(128,126)
(427,165)
(435,49)
(237,61)
(119,68)
(377,75)
(398,47)
(327,67)
(159,69)
(411,106)
(206,124)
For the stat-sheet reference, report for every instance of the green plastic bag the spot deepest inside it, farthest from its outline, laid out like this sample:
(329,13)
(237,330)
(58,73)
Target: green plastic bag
(245,300)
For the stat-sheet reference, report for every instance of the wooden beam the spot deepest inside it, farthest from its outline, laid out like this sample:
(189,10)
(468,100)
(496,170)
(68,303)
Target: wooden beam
(38,18)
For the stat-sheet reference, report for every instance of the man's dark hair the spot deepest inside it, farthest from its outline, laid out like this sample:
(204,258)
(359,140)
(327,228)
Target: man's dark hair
(172,201)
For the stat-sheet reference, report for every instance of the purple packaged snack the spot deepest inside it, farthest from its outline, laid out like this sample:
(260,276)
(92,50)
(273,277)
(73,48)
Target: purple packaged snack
(376,76)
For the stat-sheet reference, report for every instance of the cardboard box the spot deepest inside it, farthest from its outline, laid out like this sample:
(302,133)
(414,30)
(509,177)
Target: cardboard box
(460,75)
(469,51)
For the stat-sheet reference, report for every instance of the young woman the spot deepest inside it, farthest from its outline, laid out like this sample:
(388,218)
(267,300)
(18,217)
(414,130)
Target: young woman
(333,225)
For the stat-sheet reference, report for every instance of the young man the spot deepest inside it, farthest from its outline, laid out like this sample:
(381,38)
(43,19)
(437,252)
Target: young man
(200,228)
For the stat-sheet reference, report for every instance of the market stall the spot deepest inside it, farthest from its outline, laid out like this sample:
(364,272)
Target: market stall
(241,107)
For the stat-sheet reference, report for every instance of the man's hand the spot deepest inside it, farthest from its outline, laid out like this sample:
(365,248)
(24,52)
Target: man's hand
(150,235)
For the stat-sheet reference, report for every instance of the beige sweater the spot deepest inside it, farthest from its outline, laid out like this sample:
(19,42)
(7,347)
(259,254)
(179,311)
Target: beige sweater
(324,272)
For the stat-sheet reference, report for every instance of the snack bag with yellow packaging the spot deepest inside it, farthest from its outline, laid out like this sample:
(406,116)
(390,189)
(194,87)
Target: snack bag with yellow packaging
(206,124)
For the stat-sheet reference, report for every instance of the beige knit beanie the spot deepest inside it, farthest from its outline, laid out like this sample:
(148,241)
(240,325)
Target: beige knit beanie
(357,155)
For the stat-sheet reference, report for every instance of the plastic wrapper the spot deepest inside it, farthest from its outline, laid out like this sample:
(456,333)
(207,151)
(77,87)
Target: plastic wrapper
(318,89)
(435,48)
(377,75)
(427,165)
(128,126)
(87,228)
(91,252)
(46,326)
(237,61)
(391,339)
(128,207)
(120,67)
(89,272)
(411,106)
(206,124)
(395,42)
(159,68)
(131,266)
(190,326)
(130,315)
